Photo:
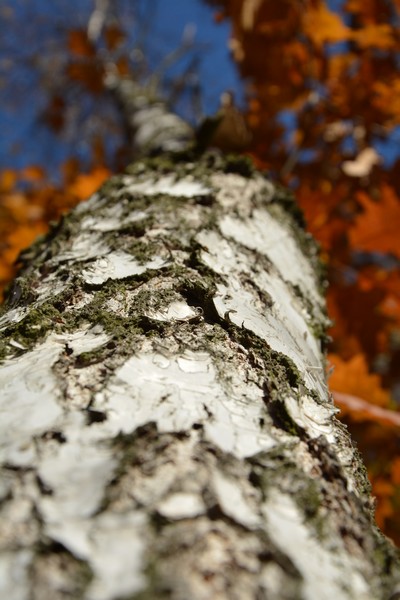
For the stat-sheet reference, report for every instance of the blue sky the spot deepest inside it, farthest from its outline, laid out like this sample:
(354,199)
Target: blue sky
(25,140)
(217,71)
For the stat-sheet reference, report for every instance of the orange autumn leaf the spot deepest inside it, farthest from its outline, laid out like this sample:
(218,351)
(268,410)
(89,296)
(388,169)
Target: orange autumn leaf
(377,228)
(375,36)
(85,185)
(8,178)
(79,43)
(324,26)
(352,377)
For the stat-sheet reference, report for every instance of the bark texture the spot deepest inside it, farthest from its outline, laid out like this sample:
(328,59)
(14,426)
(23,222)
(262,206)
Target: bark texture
(166,428)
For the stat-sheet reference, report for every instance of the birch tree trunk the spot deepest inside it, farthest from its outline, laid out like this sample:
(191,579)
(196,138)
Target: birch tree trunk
(166,428)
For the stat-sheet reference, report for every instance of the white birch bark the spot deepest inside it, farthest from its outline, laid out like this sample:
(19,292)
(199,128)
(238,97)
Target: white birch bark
(166,429)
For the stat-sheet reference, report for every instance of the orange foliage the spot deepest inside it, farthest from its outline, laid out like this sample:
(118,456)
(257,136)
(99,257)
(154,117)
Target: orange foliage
(85,185)
(79,43)
(25,215)
(321,25)
(377,228)
(352,377)
(375,36)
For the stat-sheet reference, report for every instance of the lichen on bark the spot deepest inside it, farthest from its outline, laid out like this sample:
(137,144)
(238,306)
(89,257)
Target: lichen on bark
(167,430)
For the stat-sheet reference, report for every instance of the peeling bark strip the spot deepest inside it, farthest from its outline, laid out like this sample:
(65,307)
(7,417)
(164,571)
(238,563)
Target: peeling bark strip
(166,429)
